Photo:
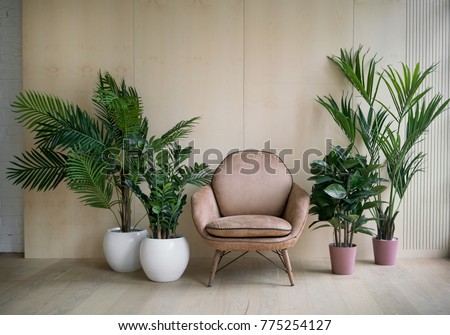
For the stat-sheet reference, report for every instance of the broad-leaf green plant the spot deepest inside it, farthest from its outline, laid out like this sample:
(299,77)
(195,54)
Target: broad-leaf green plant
(345,185)
(167,176)
(92,154)
(389,129)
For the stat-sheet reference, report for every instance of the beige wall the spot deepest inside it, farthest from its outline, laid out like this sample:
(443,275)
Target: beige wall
(250,68)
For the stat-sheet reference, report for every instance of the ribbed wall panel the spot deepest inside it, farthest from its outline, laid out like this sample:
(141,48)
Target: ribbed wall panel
(426,224)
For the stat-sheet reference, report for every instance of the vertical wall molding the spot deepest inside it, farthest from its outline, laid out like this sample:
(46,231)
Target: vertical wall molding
(426,224)
(11,199)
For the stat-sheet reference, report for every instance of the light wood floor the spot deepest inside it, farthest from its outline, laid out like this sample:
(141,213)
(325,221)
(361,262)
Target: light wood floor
(249,286)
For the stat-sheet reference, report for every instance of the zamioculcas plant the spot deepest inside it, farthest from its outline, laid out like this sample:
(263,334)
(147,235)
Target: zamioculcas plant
(167,176)
(92,154)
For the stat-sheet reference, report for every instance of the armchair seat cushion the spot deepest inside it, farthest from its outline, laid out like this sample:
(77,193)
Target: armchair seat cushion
(249,226)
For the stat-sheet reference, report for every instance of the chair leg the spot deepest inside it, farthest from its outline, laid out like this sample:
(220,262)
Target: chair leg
(287,264)
(214,267)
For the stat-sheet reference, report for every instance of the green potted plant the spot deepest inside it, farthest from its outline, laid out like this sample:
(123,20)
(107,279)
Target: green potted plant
(344,187)
(92,154)
(165,253)
(388,129)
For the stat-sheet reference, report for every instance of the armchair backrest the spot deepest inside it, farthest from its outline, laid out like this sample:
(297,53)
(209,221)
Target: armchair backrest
(252,182)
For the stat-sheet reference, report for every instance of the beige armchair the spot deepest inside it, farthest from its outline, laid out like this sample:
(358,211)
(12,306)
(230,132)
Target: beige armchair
(252,204)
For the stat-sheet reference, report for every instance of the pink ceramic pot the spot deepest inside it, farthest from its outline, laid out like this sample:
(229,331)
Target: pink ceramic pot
(342,259)
(385,251)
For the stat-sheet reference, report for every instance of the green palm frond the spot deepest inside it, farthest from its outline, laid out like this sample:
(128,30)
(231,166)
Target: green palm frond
(81,129)
(57,124)
(404,88)
(390,143)
(86,176)
(118,106)
(362,76)
(39,170)
(416,113)
(197,175)
(420,118)
(180,131)
(401,167)
(143,130)
(410,167)
(343,115)
(38,109)
(370,126)
(124,112)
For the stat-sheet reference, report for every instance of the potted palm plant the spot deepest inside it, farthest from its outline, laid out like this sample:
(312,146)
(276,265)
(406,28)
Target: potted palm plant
(344,185)
(388,129)
(165,253)
(92,154)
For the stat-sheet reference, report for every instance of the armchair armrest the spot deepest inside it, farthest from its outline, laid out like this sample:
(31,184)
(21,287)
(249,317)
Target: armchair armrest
(296,211)
(204,208)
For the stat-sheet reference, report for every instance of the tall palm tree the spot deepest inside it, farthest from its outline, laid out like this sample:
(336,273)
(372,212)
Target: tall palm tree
(94,155)
(389,133)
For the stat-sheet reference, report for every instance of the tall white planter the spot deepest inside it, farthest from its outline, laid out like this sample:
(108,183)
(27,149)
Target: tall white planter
(164,260)
(122,249)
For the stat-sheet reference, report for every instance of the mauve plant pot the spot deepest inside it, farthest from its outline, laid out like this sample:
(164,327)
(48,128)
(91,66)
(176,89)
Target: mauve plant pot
(342,259)
(385,251)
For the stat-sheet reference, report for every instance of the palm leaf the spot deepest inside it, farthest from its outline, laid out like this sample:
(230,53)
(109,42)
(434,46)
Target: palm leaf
(419,119)
(181,130)
(36,109)
(198,175)
(86,177)
(405,173)
(353,64)
(119,107)
(58,124)
(343,115)
(39,170)
(404,88)
(370,127)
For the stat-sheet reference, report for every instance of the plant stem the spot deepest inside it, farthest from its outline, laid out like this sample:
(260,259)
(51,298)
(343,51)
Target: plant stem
(351,238)
(336,237)
(125,205)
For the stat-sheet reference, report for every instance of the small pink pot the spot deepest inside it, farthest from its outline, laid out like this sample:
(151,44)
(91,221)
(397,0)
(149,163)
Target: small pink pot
(385,251)
(342,259)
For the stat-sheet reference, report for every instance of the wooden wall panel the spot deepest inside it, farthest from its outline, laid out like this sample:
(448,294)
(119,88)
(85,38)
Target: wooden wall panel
(65,44)
(250,68)
(381,26)
(286,67)
(189,61)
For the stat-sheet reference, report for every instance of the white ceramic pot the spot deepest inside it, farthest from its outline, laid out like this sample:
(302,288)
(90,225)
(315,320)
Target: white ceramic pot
(121,250)
(164,260)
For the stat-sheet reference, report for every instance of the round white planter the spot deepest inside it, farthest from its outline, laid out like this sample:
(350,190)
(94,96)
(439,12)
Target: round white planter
(164,260)
(122,249)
